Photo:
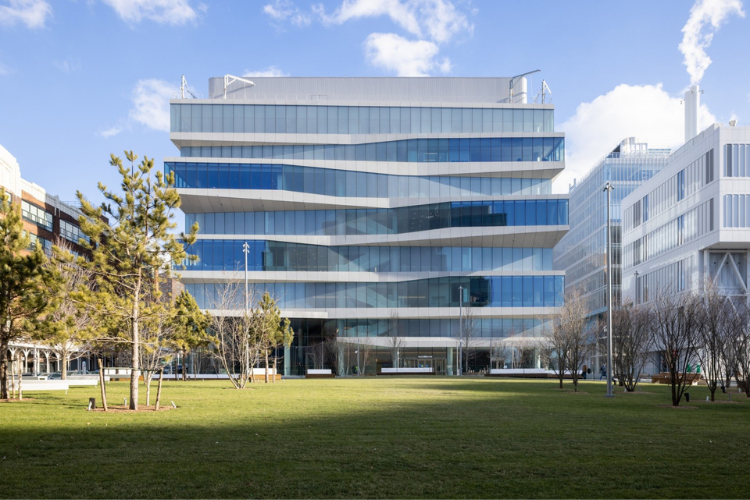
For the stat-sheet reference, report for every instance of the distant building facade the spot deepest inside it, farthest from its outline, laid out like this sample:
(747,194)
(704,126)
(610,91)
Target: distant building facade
(582,252)
(48,221)
(691,221)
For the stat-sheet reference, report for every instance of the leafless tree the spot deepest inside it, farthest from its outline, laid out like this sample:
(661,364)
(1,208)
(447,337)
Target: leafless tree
(740,347)
(156,337)
(631,343)
(395,338)
(318,354)
(675,327)
(469,338)
(365,350)
(67,329)
(235,348)
(569,340)
(716,330)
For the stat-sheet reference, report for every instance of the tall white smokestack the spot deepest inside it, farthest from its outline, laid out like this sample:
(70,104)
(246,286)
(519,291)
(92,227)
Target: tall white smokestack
(692,102)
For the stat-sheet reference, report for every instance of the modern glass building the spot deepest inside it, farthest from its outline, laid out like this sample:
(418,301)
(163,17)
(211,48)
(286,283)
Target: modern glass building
(582,252)
(367,205)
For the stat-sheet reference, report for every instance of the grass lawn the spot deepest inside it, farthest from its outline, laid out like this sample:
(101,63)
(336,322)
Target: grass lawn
(376,437)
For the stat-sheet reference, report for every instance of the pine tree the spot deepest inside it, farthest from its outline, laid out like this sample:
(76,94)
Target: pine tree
(27,287)
(131,255)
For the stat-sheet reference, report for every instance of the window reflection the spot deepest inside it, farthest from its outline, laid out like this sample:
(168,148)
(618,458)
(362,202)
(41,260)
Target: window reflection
(385,221)
(285,119)
(411,150)
(505,291)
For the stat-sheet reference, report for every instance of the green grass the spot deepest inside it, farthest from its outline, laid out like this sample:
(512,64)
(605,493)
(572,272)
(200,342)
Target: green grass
(376,437)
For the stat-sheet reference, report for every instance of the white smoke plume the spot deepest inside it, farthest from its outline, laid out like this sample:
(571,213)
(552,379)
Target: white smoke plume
(706,17)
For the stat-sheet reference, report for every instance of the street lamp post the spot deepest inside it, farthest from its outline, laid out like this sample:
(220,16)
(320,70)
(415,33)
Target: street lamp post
(460,370)
(246,250)
(608,188)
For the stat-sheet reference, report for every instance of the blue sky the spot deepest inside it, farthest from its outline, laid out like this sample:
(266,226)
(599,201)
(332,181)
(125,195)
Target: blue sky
(82,79)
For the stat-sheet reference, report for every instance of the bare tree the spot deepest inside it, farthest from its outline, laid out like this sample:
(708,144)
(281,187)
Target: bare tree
(468,338)
(365,349)
(717,315)
(675,328)
(631,344)
(66,330)
(318,354)
(569,340)
(395,338)
(740,348)
(235,348)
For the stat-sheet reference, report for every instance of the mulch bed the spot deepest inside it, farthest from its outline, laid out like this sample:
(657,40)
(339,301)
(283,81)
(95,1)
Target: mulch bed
(125,409)
(678,407)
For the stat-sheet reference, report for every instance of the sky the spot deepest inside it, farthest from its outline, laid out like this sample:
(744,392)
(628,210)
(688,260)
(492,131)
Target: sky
(81,79)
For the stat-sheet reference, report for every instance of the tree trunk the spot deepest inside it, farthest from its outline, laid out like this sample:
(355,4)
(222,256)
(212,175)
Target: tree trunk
(12,377)
(20,376)
(4,368)
(158,388)
(275,362)
(101,382)
(266,356)
(64,368)
(147,382)
(184,365)
(135,353)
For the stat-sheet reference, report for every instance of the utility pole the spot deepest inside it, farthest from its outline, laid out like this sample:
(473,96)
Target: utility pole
(608,188)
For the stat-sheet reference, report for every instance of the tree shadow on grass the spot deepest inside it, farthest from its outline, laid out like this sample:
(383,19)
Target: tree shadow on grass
(378,440)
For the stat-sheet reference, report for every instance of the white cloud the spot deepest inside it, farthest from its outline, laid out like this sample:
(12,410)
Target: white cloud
(706,17)
(437,20)
(646,112)
(404,57)
(161,11)
(269,71)
(67,66)
(283,10)
(32,13)
(110,132)
(151,103)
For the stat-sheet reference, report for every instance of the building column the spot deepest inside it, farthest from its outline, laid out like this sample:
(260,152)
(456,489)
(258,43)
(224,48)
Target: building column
(287,361)
(537,358)
(46,357)
(449,361)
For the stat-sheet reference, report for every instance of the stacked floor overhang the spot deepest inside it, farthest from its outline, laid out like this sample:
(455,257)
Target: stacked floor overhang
(368,203)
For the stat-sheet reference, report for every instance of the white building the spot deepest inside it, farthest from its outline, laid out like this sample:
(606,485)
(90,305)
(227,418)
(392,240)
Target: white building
(361,198)
(691,221)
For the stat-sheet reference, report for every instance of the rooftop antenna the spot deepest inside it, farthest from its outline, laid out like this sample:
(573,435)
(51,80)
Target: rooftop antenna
(230,79)
(545,90)
(513,79)
(184,88)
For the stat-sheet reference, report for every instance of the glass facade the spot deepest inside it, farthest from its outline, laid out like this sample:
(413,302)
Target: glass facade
(497,291)
(286,119)
(582,252)
(385,221)
(411,150)
(263,255)
(332,182)
(483,150)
